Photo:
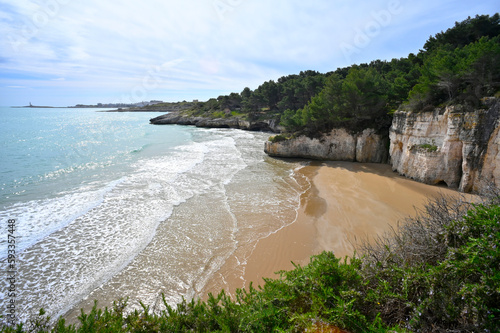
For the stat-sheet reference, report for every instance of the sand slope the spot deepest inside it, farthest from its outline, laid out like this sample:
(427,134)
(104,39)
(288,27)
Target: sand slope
(346,203)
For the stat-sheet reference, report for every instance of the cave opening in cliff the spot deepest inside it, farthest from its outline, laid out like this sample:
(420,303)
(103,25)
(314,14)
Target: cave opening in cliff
(441,183)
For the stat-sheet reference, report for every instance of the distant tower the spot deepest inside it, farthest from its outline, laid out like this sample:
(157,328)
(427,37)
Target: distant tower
(31,105)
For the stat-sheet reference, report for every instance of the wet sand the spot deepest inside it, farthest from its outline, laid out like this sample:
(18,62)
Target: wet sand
(343,204)
(347,203)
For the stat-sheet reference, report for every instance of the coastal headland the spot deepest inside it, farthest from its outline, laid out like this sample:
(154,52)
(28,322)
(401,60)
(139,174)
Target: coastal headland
(180,118)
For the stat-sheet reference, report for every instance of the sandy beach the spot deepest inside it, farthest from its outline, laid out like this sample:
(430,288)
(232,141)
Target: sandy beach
(347,203)
(341,204)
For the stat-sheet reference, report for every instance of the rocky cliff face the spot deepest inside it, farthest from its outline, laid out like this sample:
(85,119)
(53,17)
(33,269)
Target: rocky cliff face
(452,145)
(338,145)
(233,122)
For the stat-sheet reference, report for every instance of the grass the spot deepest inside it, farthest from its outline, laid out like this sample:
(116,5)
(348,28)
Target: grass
(278,138)
(224,114)
(437,272)
(428,147)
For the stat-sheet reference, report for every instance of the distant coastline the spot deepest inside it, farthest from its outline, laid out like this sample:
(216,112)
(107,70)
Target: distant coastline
(151,106)
(62,107)
(158,107)
(119,109)
(136,110)
(36,107)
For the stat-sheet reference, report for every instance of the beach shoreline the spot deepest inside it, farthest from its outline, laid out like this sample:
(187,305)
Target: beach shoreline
(341,204)
(347,203)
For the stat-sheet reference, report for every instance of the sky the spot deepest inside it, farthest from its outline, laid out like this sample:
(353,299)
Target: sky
(68,52)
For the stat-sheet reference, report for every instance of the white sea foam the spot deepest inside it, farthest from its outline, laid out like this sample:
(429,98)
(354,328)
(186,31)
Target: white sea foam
(39,218)
(77,240)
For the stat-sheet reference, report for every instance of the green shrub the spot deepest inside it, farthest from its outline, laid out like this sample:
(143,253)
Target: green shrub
(437,272)
(218,114)
(278,138)
(428,147)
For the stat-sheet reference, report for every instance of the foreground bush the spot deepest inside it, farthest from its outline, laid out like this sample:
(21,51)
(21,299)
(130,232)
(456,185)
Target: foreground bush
(438,272)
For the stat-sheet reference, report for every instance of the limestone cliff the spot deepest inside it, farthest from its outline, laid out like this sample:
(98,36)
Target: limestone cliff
(452,145)
(457,146)
(338,145)
(231,122)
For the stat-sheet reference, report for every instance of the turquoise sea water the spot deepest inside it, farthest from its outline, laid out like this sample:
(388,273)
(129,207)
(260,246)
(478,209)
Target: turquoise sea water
(48,156)
(89,190)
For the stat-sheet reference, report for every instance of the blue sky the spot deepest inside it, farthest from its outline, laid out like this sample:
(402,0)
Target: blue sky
(64,52)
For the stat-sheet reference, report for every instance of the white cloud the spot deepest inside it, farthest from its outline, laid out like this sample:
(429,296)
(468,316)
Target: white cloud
(210,45)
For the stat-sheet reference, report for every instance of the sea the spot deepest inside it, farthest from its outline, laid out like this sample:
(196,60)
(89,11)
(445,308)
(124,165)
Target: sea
(104,201)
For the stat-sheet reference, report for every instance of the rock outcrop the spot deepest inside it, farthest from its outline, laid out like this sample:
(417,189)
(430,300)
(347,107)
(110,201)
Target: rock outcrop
(231,122)
(455,146)
(452,145)
(338,145)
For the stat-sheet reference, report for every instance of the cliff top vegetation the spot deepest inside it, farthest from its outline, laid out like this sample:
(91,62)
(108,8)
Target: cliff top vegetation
(460,65)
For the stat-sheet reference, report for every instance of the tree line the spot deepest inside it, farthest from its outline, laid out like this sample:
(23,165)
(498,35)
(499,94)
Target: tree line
(460,65)
(271,98)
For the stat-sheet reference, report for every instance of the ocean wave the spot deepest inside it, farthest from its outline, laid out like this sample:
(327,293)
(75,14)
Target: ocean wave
(40,218)
(79,240)
(142,148)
